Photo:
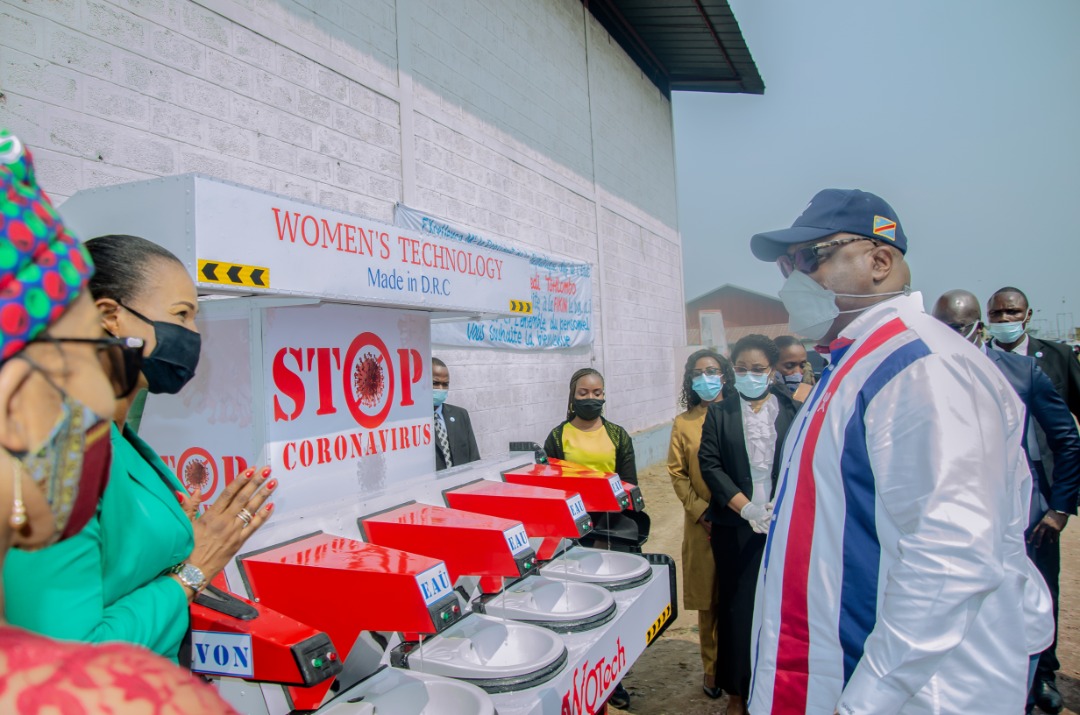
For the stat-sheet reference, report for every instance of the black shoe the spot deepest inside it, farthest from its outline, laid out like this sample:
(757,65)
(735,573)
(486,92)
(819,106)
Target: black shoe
(1047,697)
(620,699)
(713,693)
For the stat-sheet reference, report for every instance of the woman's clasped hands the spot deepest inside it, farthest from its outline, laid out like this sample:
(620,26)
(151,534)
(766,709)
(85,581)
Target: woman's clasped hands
(230,520)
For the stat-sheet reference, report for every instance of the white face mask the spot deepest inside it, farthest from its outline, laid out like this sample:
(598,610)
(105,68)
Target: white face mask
(751,385)
(812,308)
(1007,333)
(972,336)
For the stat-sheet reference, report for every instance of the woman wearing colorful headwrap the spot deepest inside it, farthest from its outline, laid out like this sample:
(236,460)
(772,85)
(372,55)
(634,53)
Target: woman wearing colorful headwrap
(55,401)
(132,573)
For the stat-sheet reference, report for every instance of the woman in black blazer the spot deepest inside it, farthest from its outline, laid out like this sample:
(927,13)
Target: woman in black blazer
(741,443)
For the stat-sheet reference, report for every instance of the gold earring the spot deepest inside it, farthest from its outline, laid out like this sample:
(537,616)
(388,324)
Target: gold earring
(18,511)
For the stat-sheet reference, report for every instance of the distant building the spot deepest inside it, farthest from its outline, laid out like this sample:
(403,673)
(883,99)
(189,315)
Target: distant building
(743,312)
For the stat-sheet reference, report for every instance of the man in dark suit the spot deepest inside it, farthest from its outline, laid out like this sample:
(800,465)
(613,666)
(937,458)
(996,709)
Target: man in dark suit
(455,442)
(1009,314)
(1053,448)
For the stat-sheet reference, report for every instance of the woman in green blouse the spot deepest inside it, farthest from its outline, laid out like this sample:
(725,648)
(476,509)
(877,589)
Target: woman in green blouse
(132,572)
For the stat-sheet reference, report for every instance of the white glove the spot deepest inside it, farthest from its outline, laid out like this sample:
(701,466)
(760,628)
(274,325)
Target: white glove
(759,516)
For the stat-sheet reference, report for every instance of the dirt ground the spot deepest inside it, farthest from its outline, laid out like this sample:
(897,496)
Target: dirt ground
(666,679)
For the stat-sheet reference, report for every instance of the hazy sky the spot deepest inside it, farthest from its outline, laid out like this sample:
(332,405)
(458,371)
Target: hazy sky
(962,114)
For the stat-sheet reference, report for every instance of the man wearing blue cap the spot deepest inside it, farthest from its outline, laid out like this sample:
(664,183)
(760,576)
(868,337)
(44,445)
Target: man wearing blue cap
(895,578)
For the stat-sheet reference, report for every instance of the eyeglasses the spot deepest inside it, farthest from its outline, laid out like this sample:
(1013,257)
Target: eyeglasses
(710,371)
(809,259)
(122,359)
(759,371)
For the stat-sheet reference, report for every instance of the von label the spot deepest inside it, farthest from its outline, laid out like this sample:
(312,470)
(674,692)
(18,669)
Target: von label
(218,653)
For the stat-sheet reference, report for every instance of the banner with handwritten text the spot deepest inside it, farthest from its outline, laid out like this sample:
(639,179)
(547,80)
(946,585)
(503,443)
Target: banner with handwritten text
(558,316)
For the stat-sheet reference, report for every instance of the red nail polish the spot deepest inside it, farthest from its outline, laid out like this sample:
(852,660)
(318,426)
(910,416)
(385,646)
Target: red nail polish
(249,474)
(272,484)
(269,507)
(266,472)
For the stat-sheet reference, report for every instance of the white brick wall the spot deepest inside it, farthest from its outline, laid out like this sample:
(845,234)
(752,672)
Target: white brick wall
(520,119)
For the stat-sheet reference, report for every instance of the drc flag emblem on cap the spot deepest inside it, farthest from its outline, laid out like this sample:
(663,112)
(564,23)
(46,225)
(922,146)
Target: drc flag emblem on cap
(885,227)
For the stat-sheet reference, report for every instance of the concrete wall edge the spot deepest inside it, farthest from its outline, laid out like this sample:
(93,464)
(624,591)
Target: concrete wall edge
(651,445)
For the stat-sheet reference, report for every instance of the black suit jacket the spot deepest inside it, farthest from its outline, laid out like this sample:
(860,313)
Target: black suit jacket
(1060,365)
(459,432)
(1060,486)
(725,466)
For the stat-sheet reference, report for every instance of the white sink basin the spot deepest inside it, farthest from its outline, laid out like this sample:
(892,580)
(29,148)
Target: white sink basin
(495,654)
(563,606)
(614,570)
(401,692)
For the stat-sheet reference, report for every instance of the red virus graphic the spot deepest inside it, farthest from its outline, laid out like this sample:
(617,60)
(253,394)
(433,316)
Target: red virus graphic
(368,382)
(196,474)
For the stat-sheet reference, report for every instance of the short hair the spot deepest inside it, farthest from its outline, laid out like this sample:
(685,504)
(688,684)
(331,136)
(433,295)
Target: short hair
(786,341)
(121,266)
(757,342)
(436,362)
(1010,289)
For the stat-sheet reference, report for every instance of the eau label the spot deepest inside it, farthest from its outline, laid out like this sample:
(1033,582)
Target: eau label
(434,583)
(517,539)
(616,485)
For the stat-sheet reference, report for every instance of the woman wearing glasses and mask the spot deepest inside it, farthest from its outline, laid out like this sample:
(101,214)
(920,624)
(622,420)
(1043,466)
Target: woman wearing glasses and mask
(705,378)
(741,442)
(131,574)
(55,406)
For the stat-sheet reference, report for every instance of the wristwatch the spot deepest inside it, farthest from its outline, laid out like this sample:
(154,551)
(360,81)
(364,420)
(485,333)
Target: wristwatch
(190,576)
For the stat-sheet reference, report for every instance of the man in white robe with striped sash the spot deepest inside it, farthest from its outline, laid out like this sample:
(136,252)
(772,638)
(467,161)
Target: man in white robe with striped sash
(895,578)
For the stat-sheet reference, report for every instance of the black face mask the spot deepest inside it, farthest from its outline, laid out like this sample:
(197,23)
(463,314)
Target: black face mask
(588,410)
(172,363)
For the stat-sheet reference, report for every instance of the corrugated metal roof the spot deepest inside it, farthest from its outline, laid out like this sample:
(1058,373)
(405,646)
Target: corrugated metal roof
(772,332)
(735,334)
(732,288)
(690,45)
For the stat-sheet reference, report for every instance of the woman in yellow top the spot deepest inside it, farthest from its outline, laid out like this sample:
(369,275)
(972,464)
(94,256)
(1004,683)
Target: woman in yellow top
(704,380)
(588,439)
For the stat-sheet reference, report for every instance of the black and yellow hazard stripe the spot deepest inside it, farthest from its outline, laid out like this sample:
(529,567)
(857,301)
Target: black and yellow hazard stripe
(233,274)
(654,629)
